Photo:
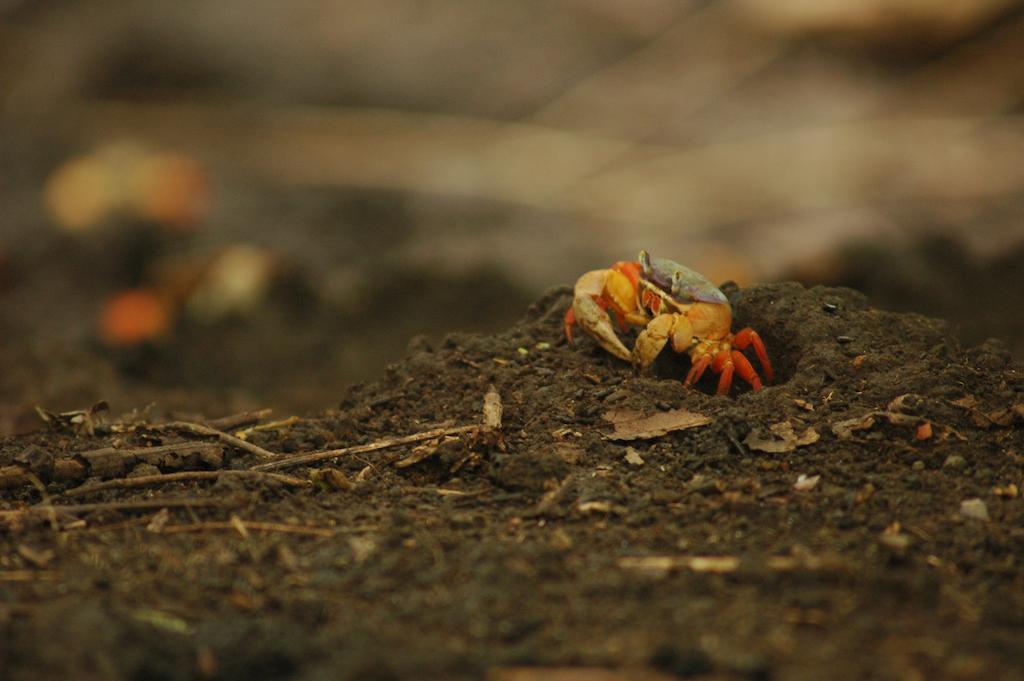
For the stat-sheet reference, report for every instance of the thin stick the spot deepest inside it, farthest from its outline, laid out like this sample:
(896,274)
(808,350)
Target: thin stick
(226,423)
(147,480)
(139,505)
(227,438)
(387,443)
(26,575)
(249,525)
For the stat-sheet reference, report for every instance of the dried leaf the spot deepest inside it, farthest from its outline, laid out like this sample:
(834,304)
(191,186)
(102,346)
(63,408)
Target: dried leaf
(74,422)
(1009,491)
(804,404)
(844,429)
(39,558)
(633,457)
(159,521)
(419,453)
(633,425)
(806,483)
(332,478)
(1006,417)
(784,438)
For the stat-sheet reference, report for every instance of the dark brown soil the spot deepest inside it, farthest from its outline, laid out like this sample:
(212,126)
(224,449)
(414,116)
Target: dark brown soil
(874,572)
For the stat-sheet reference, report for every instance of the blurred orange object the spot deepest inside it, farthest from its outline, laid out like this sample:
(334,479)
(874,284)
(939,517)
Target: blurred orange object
(128,180)
(171,189)
(134,316)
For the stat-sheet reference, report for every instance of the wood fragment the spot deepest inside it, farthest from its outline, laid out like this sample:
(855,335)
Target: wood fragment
(492,409)
(111,461)
(150,480)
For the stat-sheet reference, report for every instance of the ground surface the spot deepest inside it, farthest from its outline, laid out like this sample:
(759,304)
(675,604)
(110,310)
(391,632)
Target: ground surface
(553,545)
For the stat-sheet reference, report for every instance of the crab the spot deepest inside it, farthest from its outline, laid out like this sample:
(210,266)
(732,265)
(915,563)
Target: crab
(674,305)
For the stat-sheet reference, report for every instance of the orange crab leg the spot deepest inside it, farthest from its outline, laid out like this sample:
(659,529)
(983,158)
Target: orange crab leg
(697,370)
(748,337)
(723,364)
(746,370)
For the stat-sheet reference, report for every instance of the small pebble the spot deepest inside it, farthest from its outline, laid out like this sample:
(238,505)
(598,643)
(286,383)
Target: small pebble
(974,508)
(843,340)
(955,462)
(616,396)
(918,465)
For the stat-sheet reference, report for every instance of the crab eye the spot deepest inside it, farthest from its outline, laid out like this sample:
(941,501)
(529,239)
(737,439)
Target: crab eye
(677,283)
(645,262)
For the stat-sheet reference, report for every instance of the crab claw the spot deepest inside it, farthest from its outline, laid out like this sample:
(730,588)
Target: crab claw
(598,324)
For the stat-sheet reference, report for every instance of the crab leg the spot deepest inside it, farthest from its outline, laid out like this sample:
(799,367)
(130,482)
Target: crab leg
(746,370)
(747,337)
(723,364)
(697,370)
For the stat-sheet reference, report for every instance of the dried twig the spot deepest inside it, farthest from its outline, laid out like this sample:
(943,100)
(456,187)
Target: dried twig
(227,438)
(11,518)
(491,426)
(387,443)
(249,525)
(273,425)
(27,575)
(149,480)
(227,423)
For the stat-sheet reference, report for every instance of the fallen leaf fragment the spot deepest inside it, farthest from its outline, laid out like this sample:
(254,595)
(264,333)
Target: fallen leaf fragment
(974,508)
(1006,417)
(1009,491)
(804,404)
(598,507)
(633,458)
(806,483)
(633,425)
(39,558)
(159,521)
(894,539)
(845,429)
(575,674)
(784,438)
(924,431)
(662,565)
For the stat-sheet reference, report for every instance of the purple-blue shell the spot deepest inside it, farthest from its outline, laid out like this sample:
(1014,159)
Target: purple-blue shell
(679,281)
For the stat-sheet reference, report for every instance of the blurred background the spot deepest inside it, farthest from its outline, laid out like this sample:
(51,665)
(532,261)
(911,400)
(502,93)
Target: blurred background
(249,203)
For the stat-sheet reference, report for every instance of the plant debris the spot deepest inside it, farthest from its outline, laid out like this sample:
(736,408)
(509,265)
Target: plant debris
(783,438)
(635,425)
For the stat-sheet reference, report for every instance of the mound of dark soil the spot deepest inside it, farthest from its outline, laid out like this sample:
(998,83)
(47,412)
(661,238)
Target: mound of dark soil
(858,518)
